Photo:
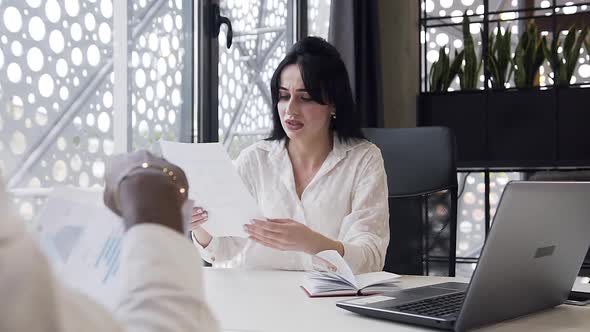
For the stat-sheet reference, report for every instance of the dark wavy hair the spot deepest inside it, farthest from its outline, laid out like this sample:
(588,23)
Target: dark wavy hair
(326,80)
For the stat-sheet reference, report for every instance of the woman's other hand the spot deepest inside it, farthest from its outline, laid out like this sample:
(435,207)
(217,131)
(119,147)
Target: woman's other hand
(287,234)
(198,218)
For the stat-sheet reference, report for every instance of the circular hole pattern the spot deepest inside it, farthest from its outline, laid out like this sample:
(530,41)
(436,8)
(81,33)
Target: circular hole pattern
(13,20)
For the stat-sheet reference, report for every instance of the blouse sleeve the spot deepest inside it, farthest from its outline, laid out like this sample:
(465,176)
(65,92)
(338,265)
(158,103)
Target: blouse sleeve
(225,248)
(365,231)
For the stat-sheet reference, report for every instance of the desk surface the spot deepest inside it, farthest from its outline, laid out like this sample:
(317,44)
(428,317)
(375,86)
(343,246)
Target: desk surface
(264,301)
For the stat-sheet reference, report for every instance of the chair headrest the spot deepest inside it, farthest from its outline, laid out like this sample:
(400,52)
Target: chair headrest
(417,160)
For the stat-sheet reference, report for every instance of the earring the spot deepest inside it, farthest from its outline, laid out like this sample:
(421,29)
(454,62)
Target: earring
(333,114)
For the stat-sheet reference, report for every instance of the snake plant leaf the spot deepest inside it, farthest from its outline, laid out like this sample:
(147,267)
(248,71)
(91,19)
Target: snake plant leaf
(454,69)
(573,55)
(528,57)
(551,56)
(469,74)
(499,61)
(564,65)
(436,72)
(443,71)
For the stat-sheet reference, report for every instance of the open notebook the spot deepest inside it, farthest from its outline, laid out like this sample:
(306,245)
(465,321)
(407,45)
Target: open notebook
(333,277)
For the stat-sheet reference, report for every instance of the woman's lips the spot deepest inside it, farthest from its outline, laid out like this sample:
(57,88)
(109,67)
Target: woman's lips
(293,124)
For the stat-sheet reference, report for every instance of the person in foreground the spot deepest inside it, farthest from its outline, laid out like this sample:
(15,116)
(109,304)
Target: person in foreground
(320,184)
(159,291)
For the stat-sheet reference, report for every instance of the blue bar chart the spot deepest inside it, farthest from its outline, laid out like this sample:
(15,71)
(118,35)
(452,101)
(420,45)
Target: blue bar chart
(108,259)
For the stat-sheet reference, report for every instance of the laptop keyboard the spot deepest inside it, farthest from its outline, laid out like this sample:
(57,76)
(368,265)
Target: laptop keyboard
(435,307)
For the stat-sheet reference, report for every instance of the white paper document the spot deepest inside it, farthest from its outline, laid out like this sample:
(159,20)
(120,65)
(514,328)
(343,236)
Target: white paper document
(214,185)
(83,240)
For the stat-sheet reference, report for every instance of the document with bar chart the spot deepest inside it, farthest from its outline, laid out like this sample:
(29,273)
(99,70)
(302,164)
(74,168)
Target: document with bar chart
(83,240)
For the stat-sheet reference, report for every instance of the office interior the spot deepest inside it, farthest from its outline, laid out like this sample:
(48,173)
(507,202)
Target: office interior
(199,71)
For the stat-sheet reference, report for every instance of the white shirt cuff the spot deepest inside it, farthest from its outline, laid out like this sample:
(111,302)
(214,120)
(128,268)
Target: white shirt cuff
(207,253)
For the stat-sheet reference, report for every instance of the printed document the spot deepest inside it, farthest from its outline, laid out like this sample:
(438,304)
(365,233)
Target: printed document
(214,185)
(83,240)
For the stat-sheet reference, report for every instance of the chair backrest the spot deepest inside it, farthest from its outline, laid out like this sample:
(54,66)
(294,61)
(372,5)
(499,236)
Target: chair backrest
(422,180)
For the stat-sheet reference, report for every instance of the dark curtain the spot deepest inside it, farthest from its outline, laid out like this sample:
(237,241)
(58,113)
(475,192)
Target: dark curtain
(354,31)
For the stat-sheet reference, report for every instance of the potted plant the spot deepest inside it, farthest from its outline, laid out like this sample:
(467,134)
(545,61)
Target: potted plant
(499,58)
(573,117)
(521,121)
(526,125)
(462,111)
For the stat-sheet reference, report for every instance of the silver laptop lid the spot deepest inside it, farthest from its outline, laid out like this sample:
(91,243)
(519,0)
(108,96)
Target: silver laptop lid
(538,240)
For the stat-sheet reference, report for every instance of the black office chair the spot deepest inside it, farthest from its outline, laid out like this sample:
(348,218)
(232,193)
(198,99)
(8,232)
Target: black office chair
(422,180)
(570,175)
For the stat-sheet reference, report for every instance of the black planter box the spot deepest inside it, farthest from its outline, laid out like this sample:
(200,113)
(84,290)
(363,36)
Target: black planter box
(521,127)
(574,126)
(514,128)
(464,113)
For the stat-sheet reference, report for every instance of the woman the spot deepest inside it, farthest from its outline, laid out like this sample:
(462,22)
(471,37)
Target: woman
(321,185)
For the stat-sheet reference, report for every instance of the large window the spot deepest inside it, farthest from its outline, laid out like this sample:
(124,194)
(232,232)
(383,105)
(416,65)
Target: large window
(318,18)
(57,88)
(245,70)
(60,117)
(160,72)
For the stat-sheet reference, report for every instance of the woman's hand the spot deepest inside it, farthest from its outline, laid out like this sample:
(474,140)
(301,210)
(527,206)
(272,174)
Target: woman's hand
(287,234)
(198,218)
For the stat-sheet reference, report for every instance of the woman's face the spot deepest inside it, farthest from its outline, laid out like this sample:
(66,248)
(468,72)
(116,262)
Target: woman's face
(301,117)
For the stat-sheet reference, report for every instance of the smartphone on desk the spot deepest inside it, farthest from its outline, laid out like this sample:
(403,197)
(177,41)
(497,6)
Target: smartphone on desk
(578,298)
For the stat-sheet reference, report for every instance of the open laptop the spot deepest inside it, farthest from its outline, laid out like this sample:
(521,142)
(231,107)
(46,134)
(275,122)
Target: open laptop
(534,250)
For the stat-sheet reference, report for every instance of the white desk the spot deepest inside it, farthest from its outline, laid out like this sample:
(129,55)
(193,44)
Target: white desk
(265,301)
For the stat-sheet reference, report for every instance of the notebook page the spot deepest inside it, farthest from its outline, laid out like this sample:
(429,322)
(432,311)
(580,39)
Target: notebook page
(373,278)
(339,266)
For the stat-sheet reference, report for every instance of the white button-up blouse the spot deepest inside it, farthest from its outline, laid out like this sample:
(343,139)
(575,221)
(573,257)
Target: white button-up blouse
(346,201)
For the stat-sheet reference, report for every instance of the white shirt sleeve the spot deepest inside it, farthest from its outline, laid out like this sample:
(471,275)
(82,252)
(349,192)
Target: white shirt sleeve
(365,231)
(221,249)
(162,286)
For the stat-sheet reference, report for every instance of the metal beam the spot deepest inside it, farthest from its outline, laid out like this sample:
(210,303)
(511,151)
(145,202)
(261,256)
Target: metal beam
(208,54)
(259,31)
(236,116)
(121,119)
(187,109)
